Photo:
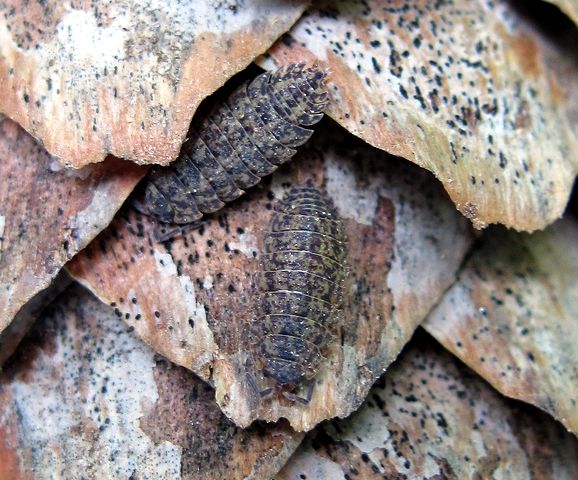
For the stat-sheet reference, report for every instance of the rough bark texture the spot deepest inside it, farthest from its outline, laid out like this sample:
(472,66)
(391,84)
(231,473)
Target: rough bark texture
(471,90)
(48,214)
(432,418)
(195,298)
(512,316)
(92,78)
(84,398)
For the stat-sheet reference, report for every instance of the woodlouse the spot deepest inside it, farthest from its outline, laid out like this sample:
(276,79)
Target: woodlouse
(301,290)
(243,139)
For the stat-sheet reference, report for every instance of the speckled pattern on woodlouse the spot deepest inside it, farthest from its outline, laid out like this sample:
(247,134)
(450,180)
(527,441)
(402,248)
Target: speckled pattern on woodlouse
(301,287)
(242,140)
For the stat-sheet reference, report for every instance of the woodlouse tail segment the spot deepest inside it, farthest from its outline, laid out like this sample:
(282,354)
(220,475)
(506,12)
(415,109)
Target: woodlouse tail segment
(242,140)
(289,395)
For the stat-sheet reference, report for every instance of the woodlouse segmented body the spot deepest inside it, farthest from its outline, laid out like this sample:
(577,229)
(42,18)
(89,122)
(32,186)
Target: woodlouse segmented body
(301,285)
(242,140)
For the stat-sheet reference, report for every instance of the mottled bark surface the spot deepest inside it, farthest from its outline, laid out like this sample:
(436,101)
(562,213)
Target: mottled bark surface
(195,298)
(512,316)
(431,417)
(92,78)
(84,398)
(48,214)
(472,90)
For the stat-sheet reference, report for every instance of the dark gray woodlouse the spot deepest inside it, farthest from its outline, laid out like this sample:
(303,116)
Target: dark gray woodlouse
(301,290)
(242,140)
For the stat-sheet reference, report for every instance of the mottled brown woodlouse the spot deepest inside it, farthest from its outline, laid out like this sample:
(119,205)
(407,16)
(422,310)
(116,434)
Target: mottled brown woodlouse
(301,291)
(242,140)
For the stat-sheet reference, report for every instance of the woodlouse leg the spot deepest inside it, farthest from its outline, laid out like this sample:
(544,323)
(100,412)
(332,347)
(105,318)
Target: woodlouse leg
(178,231)
(139,206)
(304,400)
(266,392)
(255,388)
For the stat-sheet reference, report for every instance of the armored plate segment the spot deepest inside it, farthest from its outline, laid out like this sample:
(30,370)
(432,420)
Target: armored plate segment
(242,140)
(301,287)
